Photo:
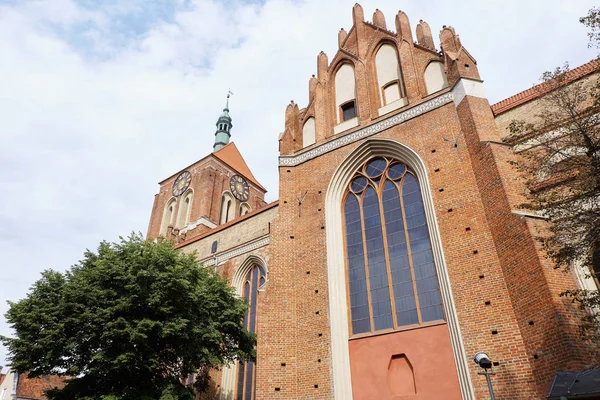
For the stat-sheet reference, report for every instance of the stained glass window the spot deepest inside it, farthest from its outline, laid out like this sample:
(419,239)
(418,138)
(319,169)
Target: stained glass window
(246,372)
(392,280)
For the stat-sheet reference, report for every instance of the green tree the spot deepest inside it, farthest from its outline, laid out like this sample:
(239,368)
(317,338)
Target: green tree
(561,164)
(130,321)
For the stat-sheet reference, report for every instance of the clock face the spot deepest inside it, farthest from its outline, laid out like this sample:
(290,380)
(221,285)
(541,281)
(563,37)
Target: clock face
(239,187)
(182,183)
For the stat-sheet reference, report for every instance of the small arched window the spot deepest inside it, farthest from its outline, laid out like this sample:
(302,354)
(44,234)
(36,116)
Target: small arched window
(246,372)
(345,93)
(308,132)
(390,269)
(168,216)
(227,208)
(185,209)
(435,77)
(388,75)
(244,209)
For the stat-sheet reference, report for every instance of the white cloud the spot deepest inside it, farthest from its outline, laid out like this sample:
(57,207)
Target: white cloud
(99,102)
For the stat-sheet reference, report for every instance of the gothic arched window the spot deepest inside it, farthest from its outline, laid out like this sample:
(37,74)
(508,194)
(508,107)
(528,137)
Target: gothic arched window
(227,208)
(185,208)
(388,74)
(391,276)
(168,215)
(246,374)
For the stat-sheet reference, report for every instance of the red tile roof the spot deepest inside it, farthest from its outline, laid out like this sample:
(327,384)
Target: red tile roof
(34,388)
(543,88)
(231,156)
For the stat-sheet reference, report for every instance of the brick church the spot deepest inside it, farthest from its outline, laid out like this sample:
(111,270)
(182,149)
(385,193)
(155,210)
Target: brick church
(396,250)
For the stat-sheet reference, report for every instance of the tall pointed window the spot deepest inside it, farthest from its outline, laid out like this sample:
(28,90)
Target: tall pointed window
(246,373)
(227,208)
(168,216)
(388,74)
(185,208)
(391,274)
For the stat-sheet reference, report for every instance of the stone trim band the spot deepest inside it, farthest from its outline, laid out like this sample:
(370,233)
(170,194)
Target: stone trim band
(226,255)
(292,161)
(464,87)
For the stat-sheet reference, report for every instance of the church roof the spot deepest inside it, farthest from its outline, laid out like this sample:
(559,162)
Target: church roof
(231,156)
(543,88)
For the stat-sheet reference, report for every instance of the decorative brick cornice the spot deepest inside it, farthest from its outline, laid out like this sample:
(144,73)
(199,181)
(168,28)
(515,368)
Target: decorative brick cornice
(345,139)
(226,255)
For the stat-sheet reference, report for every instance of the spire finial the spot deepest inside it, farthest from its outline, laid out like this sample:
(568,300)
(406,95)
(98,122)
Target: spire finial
(229,93)
(224,126)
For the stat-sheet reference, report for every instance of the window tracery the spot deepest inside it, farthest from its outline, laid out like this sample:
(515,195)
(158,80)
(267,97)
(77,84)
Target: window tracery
(391,276)
(246,371)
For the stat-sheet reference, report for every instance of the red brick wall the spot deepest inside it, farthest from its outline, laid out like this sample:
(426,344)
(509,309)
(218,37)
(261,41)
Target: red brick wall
(505,292)
(210,178)
(550,342)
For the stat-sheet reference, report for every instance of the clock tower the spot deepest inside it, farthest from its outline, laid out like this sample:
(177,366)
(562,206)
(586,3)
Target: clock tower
(211,192)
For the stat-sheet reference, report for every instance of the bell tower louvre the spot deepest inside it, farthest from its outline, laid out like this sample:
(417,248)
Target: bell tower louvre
(396,250)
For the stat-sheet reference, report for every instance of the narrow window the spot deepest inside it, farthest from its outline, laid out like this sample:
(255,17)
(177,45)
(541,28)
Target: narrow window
(308,132)
(228,208)
(246,372)
(596,264)
(184,210)
(228,211)
(345,90)
(168,216)
(391,274)
(348,110)
(388,74)
(435,77)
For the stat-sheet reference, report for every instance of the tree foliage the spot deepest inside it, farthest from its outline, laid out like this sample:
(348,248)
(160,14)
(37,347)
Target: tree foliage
(592,21)
(130,321)
(561,164)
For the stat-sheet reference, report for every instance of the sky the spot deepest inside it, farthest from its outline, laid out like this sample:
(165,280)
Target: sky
(102,99)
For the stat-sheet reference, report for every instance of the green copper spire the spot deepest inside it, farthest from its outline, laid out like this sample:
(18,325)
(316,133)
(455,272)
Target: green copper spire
(224,126)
